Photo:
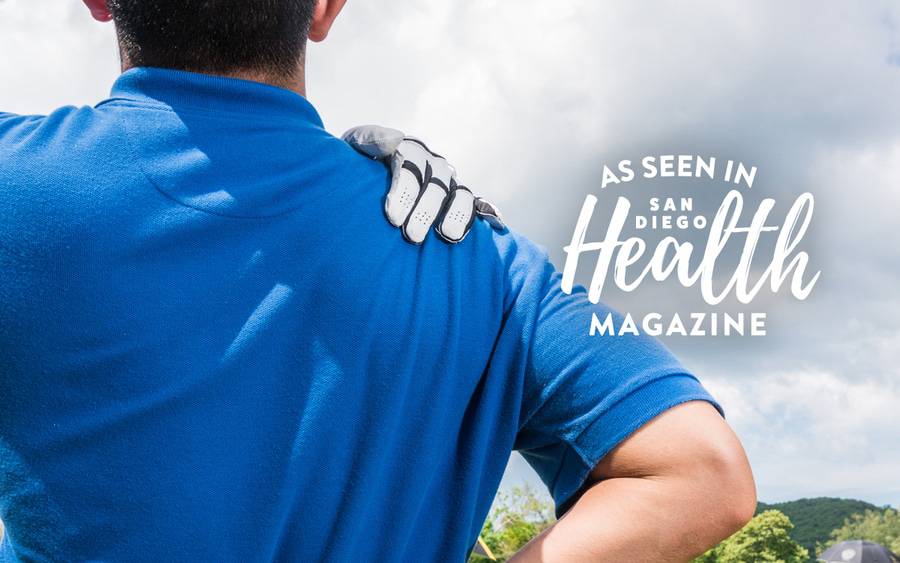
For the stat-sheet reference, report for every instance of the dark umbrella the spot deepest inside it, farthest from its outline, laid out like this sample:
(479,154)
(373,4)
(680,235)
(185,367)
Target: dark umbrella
(858,551)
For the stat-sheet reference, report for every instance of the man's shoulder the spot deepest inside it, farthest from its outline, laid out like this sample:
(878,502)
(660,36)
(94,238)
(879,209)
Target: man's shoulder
(54,165)
(522,266)
(519,254)
(9,120)
(18,127)
(54,137)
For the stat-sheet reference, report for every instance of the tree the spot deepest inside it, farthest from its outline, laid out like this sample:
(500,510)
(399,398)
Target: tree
(765,538)
(815,518)
(879,526)
(516,517)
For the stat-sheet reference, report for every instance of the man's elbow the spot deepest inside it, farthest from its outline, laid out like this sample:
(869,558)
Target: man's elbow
(741,506)
(729,478)
(720,494)
(698,469)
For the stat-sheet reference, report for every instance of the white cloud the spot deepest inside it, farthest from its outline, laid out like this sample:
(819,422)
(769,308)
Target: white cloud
(814,433)
(54,54)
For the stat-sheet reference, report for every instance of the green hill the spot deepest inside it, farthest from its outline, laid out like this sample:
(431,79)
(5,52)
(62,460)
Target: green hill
(814,518)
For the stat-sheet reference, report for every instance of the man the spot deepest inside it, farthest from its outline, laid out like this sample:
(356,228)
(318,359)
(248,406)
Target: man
(213,347)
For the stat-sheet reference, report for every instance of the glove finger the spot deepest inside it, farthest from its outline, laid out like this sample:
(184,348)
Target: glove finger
(441,172)
(426,210)
(373,140)
(489,212)
(458,215)
(438,181)
(409,165)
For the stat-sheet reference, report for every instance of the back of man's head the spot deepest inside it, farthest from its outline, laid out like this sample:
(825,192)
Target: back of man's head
(214,36)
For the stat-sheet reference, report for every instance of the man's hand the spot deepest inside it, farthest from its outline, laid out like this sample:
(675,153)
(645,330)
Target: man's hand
(675,488)
(424,189)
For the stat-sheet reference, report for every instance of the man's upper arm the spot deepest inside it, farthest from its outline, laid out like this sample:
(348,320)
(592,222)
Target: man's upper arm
(693,434)
(582,395)
(692,450)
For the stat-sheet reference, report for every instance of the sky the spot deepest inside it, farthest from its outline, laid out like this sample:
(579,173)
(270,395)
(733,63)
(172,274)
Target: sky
(530,99)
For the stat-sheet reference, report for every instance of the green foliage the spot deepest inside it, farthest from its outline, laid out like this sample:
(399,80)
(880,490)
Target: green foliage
(815,518)
(879,526)
(519,515)
(765,538)
(516,517)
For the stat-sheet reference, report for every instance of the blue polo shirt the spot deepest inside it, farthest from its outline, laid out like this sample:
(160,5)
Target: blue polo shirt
(214,347)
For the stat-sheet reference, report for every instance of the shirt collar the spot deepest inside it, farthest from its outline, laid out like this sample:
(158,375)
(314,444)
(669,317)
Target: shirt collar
(179,89)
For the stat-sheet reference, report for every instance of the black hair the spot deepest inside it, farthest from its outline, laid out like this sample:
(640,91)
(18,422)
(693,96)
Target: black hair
(216,36)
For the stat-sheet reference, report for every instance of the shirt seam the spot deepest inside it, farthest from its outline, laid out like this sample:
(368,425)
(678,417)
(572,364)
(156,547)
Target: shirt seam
(133,151)
(196,111)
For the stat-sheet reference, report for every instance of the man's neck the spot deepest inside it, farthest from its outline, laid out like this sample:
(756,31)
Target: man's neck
(295,81)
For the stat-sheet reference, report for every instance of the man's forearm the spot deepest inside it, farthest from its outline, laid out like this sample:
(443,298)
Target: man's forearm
(639,519)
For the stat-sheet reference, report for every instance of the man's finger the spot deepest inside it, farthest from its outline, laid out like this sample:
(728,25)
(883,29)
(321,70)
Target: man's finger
(373,140)
(409,166)
(439,178)
(459,212)
(423,192)
(489,212)
(423,215)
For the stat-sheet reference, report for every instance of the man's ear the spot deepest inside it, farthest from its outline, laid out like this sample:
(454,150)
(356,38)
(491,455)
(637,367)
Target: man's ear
(323,17)
(98,10)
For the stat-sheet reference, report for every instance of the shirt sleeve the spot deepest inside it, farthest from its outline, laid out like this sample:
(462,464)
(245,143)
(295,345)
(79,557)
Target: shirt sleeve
(581,395)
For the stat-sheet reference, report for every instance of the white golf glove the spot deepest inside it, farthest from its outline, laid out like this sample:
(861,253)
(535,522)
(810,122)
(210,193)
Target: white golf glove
(424,190)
